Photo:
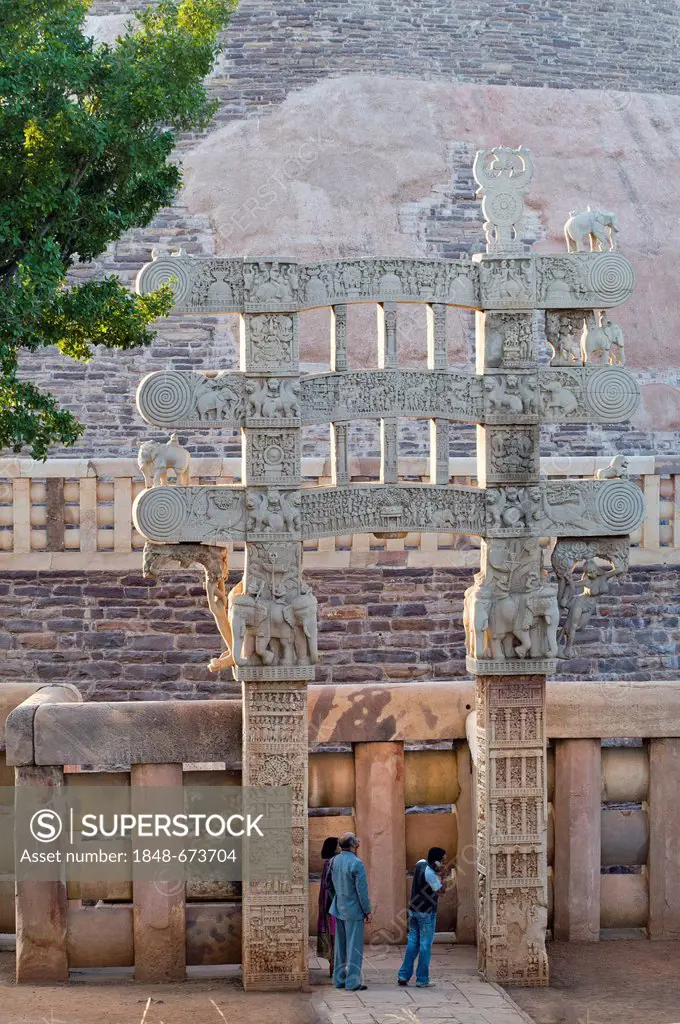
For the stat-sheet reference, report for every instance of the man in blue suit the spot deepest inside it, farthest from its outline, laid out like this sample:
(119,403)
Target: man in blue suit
(351,908)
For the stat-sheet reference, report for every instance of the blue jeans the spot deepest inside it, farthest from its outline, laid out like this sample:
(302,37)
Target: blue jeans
(419,944)
(349,953)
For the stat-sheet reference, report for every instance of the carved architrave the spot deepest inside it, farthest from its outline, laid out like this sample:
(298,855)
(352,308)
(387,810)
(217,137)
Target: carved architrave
(511,397)
(382,509)
(272,402)
(588,394)
(597,280)
(507,282)
(173,515)
(577,508)
(185,398)
(270,286)
(512,829)
(374,394)
(570,508)
(453,282)
(200,285)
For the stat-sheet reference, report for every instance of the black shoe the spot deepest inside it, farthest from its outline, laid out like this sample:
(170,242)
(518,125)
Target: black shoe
(361,988)
(400,981)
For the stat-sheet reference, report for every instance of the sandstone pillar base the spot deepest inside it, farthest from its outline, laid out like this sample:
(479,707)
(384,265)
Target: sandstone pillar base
(511,829)
(275,911)
(41,906)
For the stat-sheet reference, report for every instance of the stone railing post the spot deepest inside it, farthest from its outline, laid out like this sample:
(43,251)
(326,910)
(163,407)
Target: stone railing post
(41,906)
(577,804)
(158,904)
(380,822)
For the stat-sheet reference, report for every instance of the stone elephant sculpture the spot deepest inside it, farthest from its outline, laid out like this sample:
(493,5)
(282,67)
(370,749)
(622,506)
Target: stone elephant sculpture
(508,624)
(156,458)
(276,632)
(598,226)
(476,609)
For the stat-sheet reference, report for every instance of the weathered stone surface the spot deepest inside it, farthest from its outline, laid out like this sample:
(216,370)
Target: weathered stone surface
(624,901)
(20,722)
(625,836)
(100,936)
(625,774)
(213,933)
(466,854)
(664,876)
(426,830)
(379,808)
(430,777)
(577,840)
(158,904)
(131,733)
(41,908)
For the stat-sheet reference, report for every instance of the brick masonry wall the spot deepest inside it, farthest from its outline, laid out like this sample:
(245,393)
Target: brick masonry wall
(120,637)
(271,51)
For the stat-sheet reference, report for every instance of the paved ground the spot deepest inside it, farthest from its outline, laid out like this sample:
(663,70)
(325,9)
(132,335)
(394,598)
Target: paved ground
(622,982)
(459,997)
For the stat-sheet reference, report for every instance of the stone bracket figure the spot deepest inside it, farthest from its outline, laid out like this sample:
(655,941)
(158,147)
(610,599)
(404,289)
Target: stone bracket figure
(214,560)
(580,604)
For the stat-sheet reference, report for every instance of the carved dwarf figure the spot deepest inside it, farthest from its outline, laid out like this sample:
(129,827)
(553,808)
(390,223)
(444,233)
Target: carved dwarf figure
(156,458)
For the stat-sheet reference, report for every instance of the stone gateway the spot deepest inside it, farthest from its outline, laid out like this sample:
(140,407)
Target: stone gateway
(513,614)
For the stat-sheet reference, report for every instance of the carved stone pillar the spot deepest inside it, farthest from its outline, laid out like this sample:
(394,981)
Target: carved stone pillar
(275,912)
(511,829)
(274,630)
(511,612)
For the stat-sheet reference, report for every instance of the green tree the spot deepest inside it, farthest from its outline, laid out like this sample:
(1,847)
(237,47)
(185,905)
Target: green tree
(87,134)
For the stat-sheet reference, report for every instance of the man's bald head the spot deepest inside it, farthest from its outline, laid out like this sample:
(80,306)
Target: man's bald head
(348,841)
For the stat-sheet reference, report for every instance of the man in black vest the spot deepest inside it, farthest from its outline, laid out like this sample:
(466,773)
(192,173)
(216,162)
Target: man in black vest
(422,916)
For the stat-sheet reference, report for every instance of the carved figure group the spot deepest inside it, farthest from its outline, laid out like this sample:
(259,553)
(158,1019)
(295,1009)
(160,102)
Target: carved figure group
(273,511)
(502,625)
(216,398)
(511,393)
(156,458)
(595,226)
(273,398)
(602,340)
(595,584)
(276,631)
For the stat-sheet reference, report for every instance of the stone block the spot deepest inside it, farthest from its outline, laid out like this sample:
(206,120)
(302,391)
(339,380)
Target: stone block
(577,840)
(430,777)
(664,839)
(379,807)
(426,830)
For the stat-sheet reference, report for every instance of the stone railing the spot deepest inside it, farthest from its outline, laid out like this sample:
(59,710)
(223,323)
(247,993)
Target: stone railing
(77,513)
(392,763)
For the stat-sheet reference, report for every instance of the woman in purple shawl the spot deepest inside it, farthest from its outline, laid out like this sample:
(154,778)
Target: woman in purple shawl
(325,925)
